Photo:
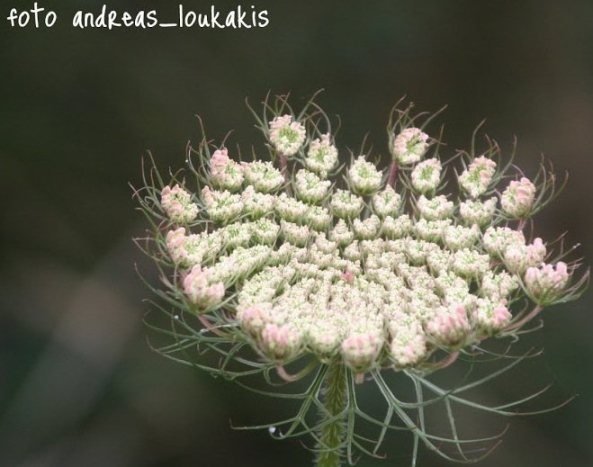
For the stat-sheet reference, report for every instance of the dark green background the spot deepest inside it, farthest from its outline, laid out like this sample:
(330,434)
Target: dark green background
(78,109)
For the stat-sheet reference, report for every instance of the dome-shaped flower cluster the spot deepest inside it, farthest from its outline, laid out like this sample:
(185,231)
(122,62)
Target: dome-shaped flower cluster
(373,267)
(354,271)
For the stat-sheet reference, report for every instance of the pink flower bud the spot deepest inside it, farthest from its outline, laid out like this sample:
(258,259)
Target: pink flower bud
(207,196)
(280,342)
(501,316)
(175,240)
(536,252)
(519,257)
(547,282)
(518,198)
(348,276)
(450,325)
(200,291)
(491,317)
(176,202)
(254,318)
(219,161)
(360,350)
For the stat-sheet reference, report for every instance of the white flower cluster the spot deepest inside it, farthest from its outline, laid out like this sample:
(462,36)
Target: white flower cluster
(409,146)
(200,288)
(263,176)
(518,198)
(365,273)
(426,176)
(364,177)
(519,257)
(256,204)
(386,202)
(287,135)
(477,212)
(193,249)
(547,282)
(436,208)
(225,173)
(309,187)
(222,206)
(476,179)
(322,156)
(345,204)
(177,204)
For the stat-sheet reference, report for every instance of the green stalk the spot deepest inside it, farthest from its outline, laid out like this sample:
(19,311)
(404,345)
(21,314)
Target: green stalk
(332,434)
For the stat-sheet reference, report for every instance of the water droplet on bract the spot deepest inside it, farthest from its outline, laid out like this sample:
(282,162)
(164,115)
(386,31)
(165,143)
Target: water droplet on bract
(176,316)
(272,430)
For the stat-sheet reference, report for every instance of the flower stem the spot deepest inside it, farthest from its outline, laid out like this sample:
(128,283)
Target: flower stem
(331,434)
(392,174)
(283,163)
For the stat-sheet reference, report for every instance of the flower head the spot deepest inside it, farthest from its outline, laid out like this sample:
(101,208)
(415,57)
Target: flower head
(349,274)
(177,203)
(364,177)
(476,179)
(263,176)
(309,187)
(287,135)
(450,325)
(490,316)
(409,146)
(547,282)
(426,176)
(477,212)
(225,173)
(279,342)
(322,156)
(518,198)
(200,289)
(386,202)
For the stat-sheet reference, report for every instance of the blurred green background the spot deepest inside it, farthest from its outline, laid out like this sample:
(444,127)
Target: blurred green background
(78,109)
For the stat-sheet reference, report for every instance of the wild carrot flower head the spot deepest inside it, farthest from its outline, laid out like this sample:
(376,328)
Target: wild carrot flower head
(287,135)
(279,263)
(177,203)
(518,198)
(409,145)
